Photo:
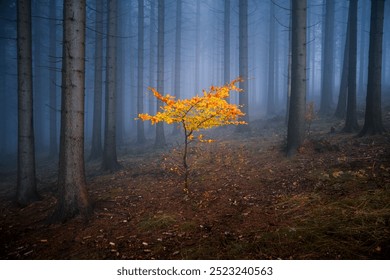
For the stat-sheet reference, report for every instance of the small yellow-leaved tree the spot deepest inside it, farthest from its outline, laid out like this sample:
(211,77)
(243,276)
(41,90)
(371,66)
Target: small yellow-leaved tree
(199,112)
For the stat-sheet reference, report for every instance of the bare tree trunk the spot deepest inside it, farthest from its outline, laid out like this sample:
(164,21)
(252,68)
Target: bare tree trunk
(152,58)
(72,191)
(96,148)
(177,84)
(53,148)
(110,162)
(271,63)
(226,45)
(160,136)
(26,181)
(342,100)
(243,61)
(296,120)
(351,123)
(373,117)
(328,58)
(140,84)
(197,46)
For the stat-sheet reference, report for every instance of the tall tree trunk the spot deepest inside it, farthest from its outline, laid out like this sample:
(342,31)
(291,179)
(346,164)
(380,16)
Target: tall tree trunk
(342,100)
(328,58)
(110,162)
(296,120)
(351,123)
(53,148)
(140,84)
(120,77)
(177,56)
(152,58)
(226,42)
(26,181)
(96,148)
(363,54)
(160,135)
(243,61)
(197,46)
(271,63)
(373,116)
(72,191)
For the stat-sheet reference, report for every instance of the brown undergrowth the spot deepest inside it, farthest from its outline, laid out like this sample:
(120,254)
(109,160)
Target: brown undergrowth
(246,201)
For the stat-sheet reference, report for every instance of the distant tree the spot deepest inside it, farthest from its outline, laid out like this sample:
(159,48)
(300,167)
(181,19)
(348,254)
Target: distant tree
(271,62)
(373,116)
(26,181)
(243,60)
(226,42)
(197,45)
(72,191)
(178,53)
(160,135)
(328,58)
(152,54)
(96,146)
(342,99)
(351,123)
(140,84)
(53,143)
(110,162)
(296,120)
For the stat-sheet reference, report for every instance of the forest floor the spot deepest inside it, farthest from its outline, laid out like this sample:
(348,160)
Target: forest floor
(246,200)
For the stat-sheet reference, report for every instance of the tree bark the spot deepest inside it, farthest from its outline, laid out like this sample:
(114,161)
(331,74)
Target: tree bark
(72,191)
(373,116)
(271,63)
(351,123)
(296,120)
(177,82)
(26,180)
(140,84)
(110,162)
(96,147)
(160,135)
(53,145)
(243,62)
(342,100)
(226,40)
(328,58)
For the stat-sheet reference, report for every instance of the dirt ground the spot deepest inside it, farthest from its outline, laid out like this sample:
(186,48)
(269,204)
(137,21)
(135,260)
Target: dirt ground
(246,201)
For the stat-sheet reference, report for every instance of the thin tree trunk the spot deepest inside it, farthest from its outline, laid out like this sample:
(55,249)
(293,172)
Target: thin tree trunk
(351,123)
(328,58)
(296,120)
(26,181)
(271,63)
(110,162)
(72,191)
(226,45)
(140,84)
(243,61)
(342,100)
(177,83)
(53,148)
(197,46)
(96,148)
(160,136)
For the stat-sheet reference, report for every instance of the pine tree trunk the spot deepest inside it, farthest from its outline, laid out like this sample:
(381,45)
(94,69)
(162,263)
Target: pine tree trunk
(160,136)
(351,123)
(373,116)
(140,84)
(72,191)
(110,162)
(328,58)
(226,45)
(296,120)
(177,82)
(26,181)
(96,148)
(243,62)
(271,64)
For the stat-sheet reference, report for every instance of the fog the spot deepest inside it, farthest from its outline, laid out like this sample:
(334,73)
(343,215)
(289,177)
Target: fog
(209,29)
